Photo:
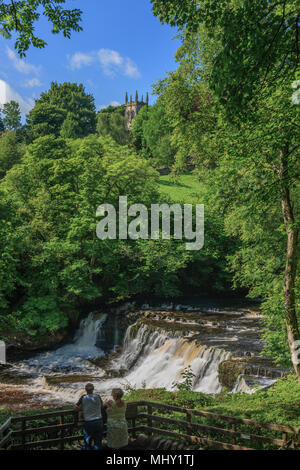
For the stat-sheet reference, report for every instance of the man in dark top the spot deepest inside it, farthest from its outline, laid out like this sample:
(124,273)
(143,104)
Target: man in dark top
(91,406)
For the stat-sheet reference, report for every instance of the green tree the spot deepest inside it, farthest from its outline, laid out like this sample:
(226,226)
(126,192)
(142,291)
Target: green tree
(190,111)
(11,151)
(60,263)
(44,119)
(152,135)
(258,55)
(111,122)
(2,128)
(10,247)
(19,18)
(259,39)
(138,132)
(12,115)
(250,164)
(65,109)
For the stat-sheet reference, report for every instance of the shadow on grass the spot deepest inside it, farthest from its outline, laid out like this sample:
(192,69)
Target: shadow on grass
(174,183)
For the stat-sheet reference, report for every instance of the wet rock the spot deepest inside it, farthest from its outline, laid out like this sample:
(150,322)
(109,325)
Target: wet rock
(25,346)
(65,379)
(9,376)
(249,366)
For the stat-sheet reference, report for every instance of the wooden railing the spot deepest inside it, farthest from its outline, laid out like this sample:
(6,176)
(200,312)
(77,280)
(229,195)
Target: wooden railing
(201,429)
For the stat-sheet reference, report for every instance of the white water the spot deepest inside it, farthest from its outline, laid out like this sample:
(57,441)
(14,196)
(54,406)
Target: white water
(72,357)
(151,358)
(156,360)
(257,383)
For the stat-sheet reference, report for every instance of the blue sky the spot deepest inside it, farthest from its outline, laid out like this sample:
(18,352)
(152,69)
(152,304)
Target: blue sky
(122,47)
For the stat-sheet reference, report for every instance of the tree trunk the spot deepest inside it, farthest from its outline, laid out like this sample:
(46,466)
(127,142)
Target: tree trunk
(291,264)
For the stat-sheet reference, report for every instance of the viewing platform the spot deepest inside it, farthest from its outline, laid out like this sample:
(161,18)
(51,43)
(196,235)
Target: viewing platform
(152,428)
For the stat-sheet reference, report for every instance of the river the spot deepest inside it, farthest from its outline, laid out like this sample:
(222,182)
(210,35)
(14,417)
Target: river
(157,346)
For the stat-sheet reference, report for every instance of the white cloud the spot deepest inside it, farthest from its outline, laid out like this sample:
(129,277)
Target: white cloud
(20,64)
(112,103)
(31,83)
(131,70)
(112,63)
(7,94)
(79,60)
(115,103)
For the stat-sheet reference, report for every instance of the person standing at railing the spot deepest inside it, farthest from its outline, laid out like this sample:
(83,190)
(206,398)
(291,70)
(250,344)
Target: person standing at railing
(91,406)
(117,429)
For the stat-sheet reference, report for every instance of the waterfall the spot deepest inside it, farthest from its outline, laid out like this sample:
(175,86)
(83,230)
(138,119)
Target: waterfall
(249,384)
(86,337)
(73,357)
(156,350)
(154,359)
(116,332)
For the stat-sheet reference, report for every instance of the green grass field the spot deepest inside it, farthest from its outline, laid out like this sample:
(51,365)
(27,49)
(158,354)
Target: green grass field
(183,188)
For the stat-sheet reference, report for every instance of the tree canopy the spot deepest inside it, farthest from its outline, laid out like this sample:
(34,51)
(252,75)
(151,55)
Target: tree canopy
(111,122)
(20,17)
(65,109)
(259,42)
(12,115)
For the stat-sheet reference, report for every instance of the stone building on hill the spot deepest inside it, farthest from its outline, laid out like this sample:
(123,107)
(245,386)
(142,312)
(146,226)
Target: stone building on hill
(132,108)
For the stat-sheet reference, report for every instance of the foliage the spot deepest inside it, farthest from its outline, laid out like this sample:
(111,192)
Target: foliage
(11,151)
(152,135)
(187,381)
(279,404)
(59,263)
(227,58)
(44,119)
(190,111)
(249,165)
(12,116)
(184,398)
(20,17)
(259,39)
(65,110)
(2,128)
(111,122)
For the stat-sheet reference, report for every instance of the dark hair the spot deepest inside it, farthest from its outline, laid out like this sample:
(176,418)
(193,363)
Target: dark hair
(117,393)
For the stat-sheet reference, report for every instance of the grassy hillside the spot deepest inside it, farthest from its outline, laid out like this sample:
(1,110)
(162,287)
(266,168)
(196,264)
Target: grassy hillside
(182,188)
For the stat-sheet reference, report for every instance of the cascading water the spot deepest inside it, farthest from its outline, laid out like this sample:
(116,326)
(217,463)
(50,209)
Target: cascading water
(116,333)
(157,349)
(72,357)
(153,359)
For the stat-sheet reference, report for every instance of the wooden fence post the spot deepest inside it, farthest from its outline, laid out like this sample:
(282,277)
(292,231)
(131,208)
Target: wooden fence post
(233,427)
(284,438)
(188,423)
(133,422)
(149,421)
(23,439)
(62,434)
(5,432)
